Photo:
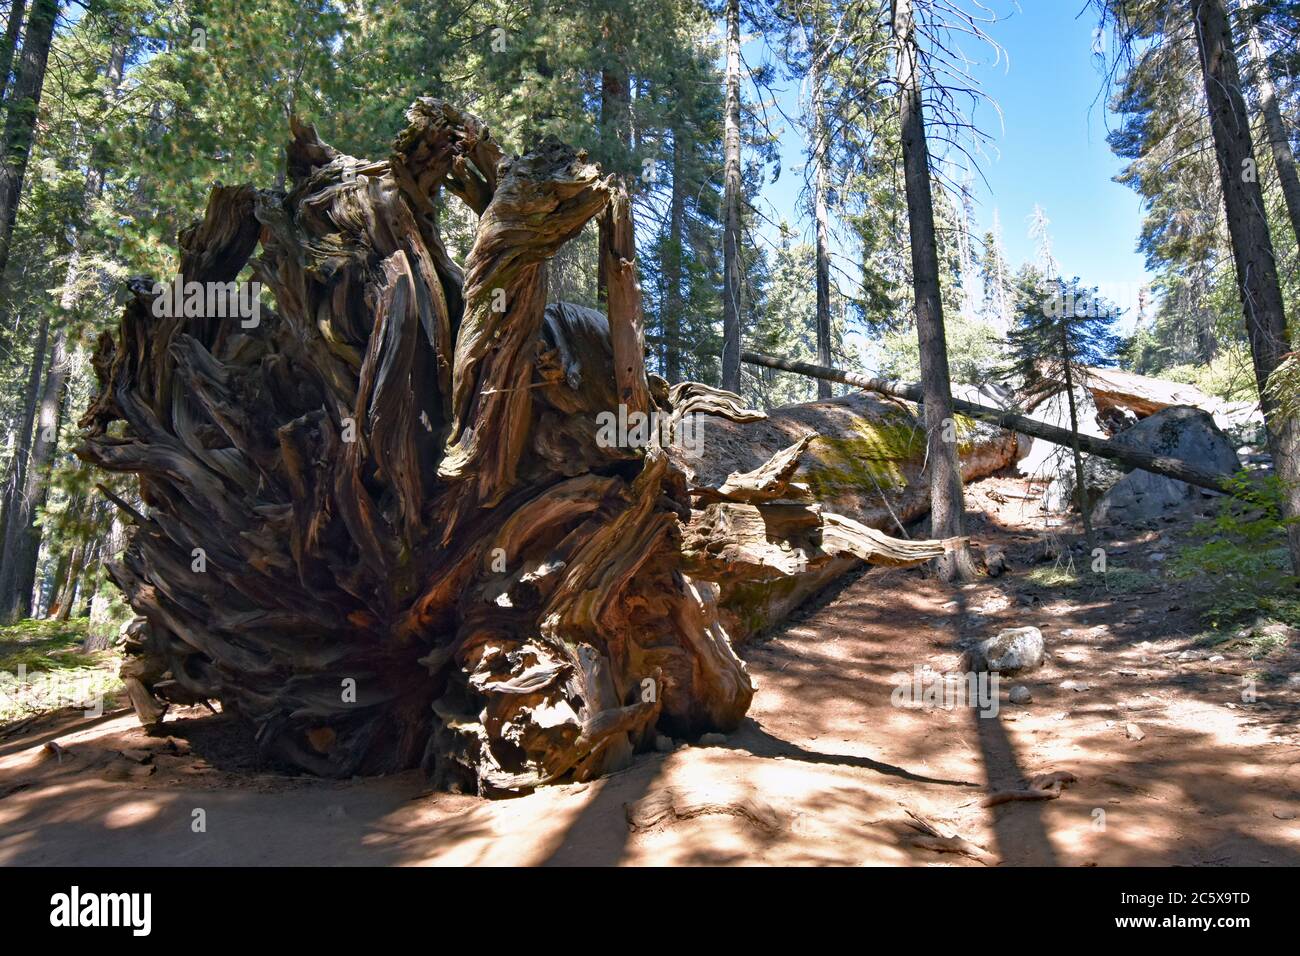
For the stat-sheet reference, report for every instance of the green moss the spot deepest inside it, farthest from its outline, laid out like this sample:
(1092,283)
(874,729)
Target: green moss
(751,601)
(870,458)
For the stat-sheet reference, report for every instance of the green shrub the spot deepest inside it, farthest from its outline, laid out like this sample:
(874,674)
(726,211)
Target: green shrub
(1240,559)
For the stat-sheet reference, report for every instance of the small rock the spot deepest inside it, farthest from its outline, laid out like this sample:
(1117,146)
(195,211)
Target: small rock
(1134,732)
(712,740)
(1156,556)
(663,744)
(1284,814)
(1020,695)
(1013,651)
(1215,658)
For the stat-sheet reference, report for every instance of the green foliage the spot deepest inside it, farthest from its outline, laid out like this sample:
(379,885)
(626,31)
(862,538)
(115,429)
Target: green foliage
(1228,375)
(786,323)
(42,667)
(1066,577)
(1060,328)
(975,351)
(1239,561)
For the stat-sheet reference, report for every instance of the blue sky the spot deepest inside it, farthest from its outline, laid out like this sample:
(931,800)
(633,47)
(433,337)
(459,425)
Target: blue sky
(1048,147)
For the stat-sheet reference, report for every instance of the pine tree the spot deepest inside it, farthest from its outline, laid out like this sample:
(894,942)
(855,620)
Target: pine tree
(1062,329)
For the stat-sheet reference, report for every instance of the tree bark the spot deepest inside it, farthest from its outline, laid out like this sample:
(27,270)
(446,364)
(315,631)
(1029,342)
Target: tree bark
(1278,139)
(672,264)
(616,129)
(1252,246)
(20,122)
(1085,508)
(732,189)
(9,43)
(66,578)
(18,506)
(946,503)
(820,163)
(24,536)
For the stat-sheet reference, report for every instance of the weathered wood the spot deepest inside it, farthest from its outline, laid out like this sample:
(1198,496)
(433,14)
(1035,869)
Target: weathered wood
(386,522)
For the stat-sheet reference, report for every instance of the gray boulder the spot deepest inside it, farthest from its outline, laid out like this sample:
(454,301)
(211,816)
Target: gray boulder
(1016,650)
(1179,431)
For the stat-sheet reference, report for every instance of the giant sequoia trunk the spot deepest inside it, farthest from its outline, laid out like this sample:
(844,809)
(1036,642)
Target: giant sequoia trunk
(395,520)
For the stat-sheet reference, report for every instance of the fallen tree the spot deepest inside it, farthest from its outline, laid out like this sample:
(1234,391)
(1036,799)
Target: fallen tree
(1005,418)
(413,515)
(862,457)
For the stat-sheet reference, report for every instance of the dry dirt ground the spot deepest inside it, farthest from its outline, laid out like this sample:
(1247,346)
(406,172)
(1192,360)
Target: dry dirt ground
(825,770)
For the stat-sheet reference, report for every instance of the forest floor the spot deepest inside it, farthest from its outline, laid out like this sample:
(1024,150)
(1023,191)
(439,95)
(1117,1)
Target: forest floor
(1184,753)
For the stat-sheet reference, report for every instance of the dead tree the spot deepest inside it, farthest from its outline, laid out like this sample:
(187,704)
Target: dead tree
(384,520)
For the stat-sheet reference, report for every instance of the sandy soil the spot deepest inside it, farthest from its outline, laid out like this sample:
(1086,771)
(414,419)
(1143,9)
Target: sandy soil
(824,771)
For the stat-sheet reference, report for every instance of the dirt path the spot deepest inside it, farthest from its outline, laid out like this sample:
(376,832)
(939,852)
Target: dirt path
(824,769)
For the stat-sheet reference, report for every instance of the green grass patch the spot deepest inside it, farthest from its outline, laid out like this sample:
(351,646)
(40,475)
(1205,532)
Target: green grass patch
(1066,577)
(42,667)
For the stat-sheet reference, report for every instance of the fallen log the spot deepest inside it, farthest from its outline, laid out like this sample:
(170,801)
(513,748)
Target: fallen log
(1132,457)
(413,514)
(860,458)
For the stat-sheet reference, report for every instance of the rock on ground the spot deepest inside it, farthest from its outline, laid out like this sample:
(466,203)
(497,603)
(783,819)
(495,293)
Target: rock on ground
(1016,650)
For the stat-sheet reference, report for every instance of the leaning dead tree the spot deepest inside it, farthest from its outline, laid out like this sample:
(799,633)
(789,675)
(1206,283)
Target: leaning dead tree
(389,521)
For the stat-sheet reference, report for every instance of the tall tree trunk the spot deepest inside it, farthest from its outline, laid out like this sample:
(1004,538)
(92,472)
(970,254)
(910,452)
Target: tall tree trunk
(1085,506)
(946,503)
(820,163)
(20,123)
(1278,140)
(731,196)
(1252,247)
(9,43)
(64,593)
(16,504)
(59,582)
(672,266)
(21,559)
(616,131)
